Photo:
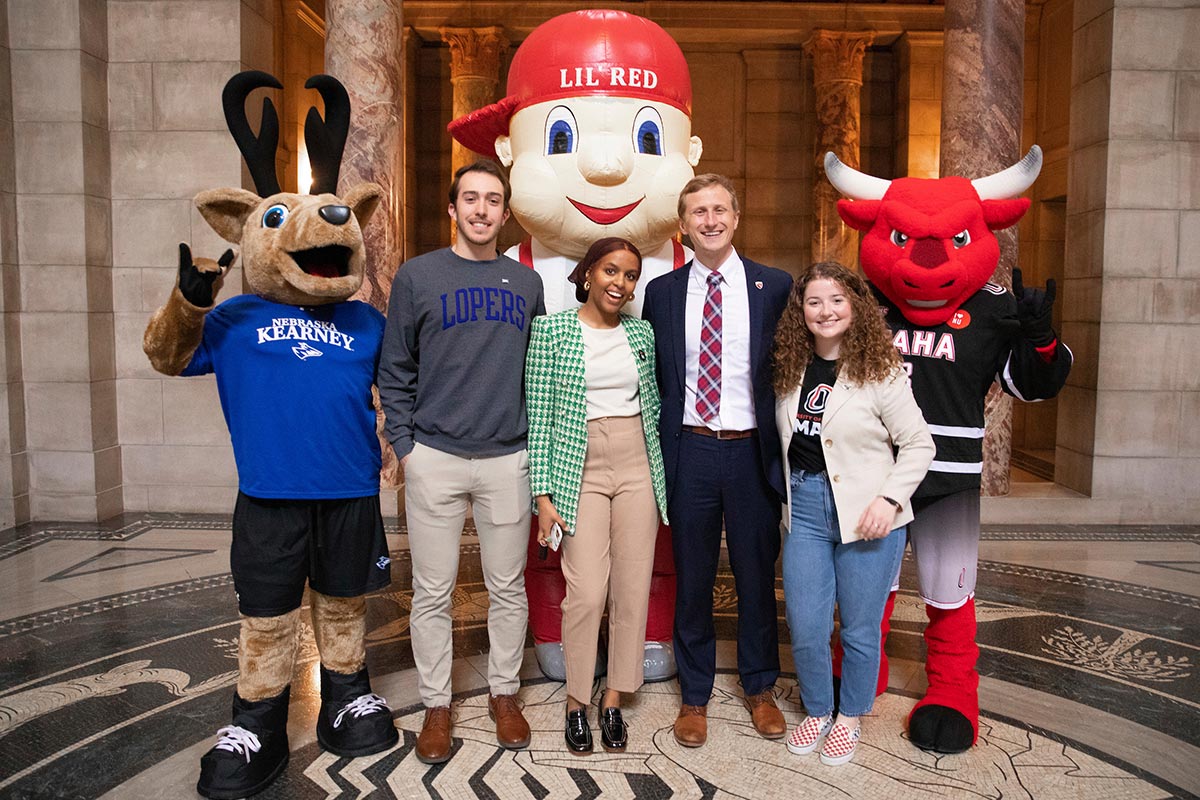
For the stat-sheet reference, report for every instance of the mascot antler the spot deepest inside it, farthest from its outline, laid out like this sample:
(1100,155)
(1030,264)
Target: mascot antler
(258,151)
(326,138)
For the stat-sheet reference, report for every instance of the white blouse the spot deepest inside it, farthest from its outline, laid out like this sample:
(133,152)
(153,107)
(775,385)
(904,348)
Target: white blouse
(610,373)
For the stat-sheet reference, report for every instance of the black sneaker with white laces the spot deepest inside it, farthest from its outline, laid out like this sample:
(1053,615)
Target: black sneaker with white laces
(354,721)
(250,753)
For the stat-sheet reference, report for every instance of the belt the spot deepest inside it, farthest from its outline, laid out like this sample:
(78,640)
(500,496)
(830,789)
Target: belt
(710,433)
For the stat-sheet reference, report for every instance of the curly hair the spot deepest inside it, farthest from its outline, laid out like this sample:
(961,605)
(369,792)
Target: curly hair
(599,249)
(866,352)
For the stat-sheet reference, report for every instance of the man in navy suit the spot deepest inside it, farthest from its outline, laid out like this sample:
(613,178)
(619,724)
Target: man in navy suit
(714,325)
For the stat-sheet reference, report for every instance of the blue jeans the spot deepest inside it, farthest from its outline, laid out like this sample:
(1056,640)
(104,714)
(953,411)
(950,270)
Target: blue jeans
(819,569)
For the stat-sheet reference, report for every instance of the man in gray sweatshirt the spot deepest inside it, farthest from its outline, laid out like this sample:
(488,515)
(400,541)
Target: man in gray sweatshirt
(451,379)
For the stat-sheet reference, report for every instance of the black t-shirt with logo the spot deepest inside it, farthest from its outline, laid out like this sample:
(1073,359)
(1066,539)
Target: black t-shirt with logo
(805,450)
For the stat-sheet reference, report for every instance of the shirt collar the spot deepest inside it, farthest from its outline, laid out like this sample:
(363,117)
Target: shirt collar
(731,269)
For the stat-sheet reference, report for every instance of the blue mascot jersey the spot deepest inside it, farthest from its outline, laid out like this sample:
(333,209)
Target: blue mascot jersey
(295,386)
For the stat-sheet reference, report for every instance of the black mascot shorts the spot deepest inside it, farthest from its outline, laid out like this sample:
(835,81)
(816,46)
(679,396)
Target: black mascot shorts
(338,546)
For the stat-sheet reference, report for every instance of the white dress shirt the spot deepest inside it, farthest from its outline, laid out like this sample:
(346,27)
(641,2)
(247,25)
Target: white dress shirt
(736,412)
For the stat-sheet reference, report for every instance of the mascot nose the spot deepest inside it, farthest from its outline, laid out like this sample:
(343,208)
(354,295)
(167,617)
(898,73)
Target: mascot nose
(606,160)
(928,253)
(335,215)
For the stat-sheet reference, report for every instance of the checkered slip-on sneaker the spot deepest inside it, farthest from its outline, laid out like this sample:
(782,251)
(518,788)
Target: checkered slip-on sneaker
(807,736)
(840,745)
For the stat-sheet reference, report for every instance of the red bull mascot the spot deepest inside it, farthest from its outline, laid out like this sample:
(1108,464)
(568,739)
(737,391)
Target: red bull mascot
(930,254)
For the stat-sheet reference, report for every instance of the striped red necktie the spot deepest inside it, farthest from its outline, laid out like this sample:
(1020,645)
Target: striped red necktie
(708,387)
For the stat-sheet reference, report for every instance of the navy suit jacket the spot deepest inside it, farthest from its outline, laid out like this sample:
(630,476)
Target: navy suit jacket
(664,309)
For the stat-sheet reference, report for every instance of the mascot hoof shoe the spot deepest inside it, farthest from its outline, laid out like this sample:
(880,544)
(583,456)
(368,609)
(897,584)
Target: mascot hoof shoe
(940,729)
(553,663)
(354,721)
(250,753)
(658,662)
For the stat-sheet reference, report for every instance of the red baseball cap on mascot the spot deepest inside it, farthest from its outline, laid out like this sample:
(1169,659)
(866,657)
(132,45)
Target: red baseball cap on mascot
(592,52)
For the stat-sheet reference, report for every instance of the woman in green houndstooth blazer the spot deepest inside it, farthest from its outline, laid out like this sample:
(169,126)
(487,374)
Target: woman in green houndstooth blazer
(595,469)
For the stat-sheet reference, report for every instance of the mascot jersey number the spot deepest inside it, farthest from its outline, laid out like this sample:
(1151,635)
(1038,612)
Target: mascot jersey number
(596,127)
(929,252)
(294,363)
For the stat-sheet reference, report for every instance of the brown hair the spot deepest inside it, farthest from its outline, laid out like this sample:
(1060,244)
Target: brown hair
(866,353)
(599,249)
(486,166)
(703,181)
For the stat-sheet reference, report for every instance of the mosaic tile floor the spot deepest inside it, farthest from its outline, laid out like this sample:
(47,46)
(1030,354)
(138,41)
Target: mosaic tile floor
(117,665)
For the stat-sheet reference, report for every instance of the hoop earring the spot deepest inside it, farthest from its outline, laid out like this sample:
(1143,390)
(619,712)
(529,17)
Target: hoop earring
(587,286)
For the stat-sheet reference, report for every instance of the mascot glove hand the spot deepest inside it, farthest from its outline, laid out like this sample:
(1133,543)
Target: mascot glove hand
(199,282)
(1035,309)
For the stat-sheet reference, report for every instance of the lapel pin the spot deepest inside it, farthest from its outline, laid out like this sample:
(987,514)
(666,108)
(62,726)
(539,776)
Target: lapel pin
(758,284)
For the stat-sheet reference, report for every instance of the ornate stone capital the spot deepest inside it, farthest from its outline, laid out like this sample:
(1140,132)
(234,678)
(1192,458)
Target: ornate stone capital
(475,52)
(838,55)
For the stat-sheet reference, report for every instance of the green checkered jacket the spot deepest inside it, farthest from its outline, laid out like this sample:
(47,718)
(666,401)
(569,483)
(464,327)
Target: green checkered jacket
(556,395)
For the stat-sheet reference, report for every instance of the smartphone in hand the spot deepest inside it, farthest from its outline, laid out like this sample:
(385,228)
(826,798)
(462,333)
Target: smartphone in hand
(556,534)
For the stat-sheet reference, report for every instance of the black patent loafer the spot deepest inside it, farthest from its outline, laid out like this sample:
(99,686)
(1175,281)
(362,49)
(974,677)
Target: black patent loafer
(613,733)
(578,734)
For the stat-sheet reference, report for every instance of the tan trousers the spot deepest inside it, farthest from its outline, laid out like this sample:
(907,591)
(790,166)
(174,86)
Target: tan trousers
(611,555)
(437,488)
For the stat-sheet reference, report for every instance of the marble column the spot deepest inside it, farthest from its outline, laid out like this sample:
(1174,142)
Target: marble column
(982,94)
(475,75)
(363,50)
(837,58)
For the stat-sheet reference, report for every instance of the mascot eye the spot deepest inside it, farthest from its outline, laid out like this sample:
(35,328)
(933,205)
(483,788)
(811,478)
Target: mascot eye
(647,132)
(562,134)
(899,239)
(962,240)
(275,216)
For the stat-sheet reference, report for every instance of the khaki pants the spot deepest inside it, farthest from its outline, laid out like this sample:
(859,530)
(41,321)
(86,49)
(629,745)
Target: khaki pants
(611,555)
(437,488)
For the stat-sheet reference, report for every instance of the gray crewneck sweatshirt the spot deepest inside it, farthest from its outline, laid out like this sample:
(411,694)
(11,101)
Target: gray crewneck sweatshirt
(452,371)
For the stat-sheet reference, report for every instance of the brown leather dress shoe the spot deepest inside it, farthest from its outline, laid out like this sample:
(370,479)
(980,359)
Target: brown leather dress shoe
(767,718)
(691,726)
(512,731)
(433,742)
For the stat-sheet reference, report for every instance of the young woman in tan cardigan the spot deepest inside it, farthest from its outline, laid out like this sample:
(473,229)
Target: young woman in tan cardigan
(857,447)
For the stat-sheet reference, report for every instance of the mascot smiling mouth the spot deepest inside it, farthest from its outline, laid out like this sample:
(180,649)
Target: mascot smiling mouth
(605,216)
(331,261)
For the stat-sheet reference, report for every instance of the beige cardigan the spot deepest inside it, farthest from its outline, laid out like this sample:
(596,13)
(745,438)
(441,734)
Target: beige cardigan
(858,429)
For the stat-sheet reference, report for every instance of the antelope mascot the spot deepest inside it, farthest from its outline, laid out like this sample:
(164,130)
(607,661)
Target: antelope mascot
(294,364)
(597,130)
(929,252)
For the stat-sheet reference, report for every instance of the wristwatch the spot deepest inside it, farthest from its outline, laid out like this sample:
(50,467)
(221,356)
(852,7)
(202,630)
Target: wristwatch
(893,502)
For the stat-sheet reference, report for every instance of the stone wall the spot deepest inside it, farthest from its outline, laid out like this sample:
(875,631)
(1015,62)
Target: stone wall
(62,293)
(169,62)
(14,466)
(1133,231)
